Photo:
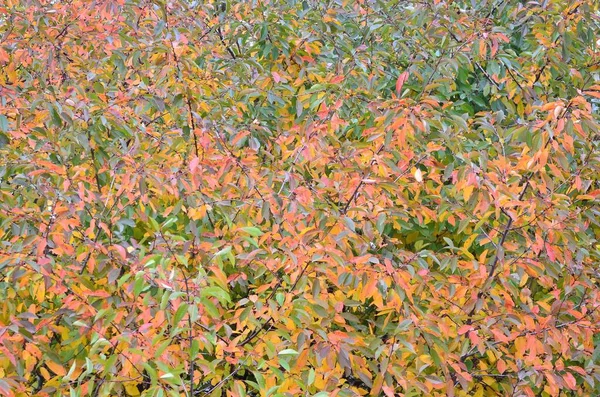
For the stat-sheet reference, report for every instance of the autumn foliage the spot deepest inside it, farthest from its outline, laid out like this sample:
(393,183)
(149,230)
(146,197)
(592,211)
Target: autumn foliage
(299,198)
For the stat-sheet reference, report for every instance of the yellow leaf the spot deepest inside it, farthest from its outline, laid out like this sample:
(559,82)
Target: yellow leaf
(197,213)
(377,384)
(132,389)
(469,241)
(467,192)
(479,392)
(40,292)
(520,344)
(45,374)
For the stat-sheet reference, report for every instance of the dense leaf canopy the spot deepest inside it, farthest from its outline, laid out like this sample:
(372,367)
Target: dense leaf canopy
(299,197)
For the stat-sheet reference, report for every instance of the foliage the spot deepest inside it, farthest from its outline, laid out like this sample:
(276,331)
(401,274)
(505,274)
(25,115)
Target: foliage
(299,197)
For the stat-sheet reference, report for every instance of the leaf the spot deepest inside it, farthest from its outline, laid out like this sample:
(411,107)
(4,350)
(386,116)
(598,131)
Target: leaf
(400,82)
(55,116)
(464,329)
(194,164)
(56,368)
(418,175)
(570,381)
(71,370)
(98,87)
(3,124)
(551,252)
(389,391)
(501,366)
(224,251)
(253,231)
(311,377)
(181,311)
(377,385)
(349,223)
(121,250)
(434,380)
(288,352)
(216,292)
(5,388)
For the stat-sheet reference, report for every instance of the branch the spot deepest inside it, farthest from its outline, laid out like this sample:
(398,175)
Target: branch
(362,181)
(227,47)
(487,75)
(189,318)
(93,153)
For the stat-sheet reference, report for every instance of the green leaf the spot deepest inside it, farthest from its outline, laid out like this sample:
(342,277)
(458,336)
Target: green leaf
(98,87)
(3,123)
(253,231)
(224,251)
(181,311)
(55,116)
(288,352)
(216,292)
(311,377)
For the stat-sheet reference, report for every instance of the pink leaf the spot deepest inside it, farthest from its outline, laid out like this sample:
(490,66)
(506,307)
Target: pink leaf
(464,329)
(550,251)
(194,164)
(41,247)
(570,381)
(501,365)
(276,77)
(400,82)
(389,392)
(121,250)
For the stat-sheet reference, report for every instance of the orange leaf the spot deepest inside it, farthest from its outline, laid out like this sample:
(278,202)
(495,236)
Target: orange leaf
(377,384)
(595,94)
(56,368)
(337,79)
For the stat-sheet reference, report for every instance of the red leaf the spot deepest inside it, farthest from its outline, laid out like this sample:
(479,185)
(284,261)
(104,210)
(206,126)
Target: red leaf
(400,82)
(337,79)
(595,193)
